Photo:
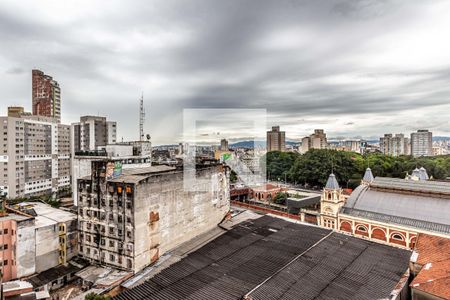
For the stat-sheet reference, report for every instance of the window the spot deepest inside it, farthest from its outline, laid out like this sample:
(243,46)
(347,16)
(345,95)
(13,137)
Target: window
(112,258)
(5,231)
(111,243)
(397,236)
(129,264)
(361,228)
(5,247)
(5,262)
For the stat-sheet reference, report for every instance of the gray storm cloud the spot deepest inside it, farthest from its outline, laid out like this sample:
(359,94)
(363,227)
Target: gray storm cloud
(355,68)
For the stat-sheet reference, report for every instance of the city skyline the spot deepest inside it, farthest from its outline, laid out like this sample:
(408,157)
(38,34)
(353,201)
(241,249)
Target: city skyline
(311,65)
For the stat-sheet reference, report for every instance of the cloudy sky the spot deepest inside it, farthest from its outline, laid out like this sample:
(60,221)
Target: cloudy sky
(354,68)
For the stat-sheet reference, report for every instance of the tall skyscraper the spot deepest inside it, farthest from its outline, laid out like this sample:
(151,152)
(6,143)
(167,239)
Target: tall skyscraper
(46,95)
(422,143)
(395,145)
(276,139)
(93,132)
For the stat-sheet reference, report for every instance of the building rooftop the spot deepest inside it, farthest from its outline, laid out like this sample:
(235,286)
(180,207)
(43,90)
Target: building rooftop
(434,279)
(55,273)
(13,216)
(52,214)
(420,186)
(430,248)
(271,258)
(427,211)
(432,253)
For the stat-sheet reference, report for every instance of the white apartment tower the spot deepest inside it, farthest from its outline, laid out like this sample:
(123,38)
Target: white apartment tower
(34,155)
(422,143)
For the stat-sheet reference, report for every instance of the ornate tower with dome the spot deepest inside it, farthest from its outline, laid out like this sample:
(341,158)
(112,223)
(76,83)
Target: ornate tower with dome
(331,202)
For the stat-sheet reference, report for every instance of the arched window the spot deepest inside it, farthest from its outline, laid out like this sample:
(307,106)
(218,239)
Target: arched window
(397,236)
(361,228)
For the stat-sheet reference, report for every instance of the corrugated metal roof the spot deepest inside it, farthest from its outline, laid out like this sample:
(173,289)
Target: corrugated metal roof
(235,263)
(413,210)
(340,267)
(421,186)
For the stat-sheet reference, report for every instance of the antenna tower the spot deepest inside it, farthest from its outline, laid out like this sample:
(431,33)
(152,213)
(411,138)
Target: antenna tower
(141,118)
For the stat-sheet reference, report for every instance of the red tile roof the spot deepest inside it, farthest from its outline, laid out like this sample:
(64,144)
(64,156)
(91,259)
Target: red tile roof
(434,279)
(434,255)
(432,249)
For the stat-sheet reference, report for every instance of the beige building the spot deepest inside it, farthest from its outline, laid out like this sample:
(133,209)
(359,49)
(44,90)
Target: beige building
(128,219)
(34,155)
(395,145)
(317,140)
(93,132)
(276,139)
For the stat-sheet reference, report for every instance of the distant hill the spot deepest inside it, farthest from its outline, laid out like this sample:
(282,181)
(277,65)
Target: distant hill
(441,138)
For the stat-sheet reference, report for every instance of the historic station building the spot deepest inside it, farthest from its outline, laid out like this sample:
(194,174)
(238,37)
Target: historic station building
(388,210)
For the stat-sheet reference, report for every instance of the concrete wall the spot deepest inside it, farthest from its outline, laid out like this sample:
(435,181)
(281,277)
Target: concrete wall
(47,247)
(166,215)
(26,248)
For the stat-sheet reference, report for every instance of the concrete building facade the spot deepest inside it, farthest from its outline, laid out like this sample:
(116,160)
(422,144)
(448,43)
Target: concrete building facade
(34,155)
(46,95)
(36,238)
(93,132)
(276,139)
(422,143)
(395,145)
(129,221)
(129,155)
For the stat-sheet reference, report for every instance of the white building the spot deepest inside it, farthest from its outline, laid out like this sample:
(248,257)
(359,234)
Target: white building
(422,143)
(34,155)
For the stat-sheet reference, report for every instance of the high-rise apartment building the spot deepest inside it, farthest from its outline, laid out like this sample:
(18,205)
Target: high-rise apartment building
(223,145)
(276,139)
(93,132)
(422,143)
(317,140)
(34,155)
(46,95)
(395,145)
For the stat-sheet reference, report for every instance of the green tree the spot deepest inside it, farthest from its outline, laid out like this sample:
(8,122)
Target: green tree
(280,198)
(94,296)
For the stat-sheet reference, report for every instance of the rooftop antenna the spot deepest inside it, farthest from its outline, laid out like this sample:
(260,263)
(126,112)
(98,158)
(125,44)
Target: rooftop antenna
(141,118)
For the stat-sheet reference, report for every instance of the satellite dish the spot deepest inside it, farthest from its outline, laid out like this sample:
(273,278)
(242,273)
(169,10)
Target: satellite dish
(148,137)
